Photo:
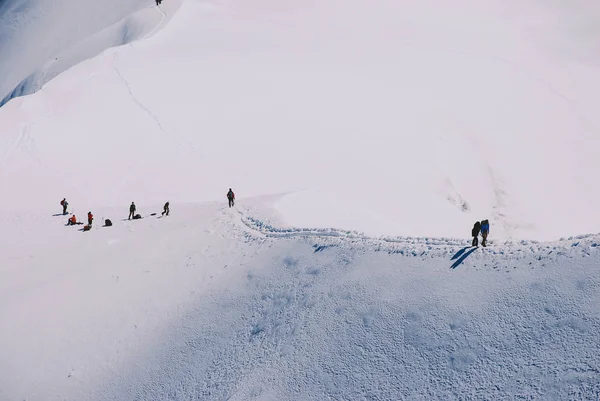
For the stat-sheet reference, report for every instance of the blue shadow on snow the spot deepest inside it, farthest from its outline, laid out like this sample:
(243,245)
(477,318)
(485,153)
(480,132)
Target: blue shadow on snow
(461,255)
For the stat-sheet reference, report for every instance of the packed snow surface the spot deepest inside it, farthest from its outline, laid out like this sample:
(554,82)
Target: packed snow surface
(388,117)
(217,303)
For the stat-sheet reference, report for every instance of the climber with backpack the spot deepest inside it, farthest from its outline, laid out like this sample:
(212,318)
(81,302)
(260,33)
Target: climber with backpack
(64,205)
(90,218)
(485,230)
(231,197)
(165,209)
(475,233)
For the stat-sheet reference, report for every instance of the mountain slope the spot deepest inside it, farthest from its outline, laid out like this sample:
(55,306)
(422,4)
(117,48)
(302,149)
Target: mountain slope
(391,118)
(61,33)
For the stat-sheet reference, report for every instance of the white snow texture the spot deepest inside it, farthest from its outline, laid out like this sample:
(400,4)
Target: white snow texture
(362,138)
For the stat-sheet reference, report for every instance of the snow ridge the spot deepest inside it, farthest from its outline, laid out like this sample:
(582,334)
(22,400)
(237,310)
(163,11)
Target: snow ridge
(141,23)
(583,245)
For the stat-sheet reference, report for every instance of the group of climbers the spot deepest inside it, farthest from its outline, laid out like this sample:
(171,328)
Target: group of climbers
(132,212)
(482,227)
(73,219)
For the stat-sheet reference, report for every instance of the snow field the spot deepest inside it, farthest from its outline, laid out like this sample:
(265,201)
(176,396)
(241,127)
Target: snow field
(213,303)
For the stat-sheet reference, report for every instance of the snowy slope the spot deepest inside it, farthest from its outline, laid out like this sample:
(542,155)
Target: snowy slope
(212,303)
(388,117)
(39,40)
(406,120)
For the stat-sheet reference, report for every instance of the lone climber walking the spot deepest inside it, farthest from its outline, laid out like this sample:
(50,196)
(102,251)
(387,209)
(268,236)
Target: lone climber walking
(231,198)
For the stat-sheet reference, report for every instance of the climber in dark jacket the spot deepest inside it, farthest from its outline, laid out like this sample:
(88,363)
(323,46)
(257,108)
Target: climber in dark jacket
(475,233)
(64,205)
(131,211)
(231,197)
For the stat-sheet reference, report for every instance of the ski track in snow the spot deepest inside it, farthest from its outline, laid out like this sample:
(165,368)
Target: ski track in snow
(160,25)
(133,97)
(582,245)
(24,133)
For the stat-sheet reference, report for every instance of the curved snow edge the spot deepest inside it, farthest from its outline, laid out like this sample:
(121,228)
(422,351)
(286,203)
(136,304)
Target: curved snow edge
(137,26)
(420,246)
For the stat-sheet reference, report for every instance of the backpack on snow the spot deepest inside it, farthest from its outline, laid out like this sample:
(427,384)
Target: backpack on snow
(107,223)
(137,216)
(87,228)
